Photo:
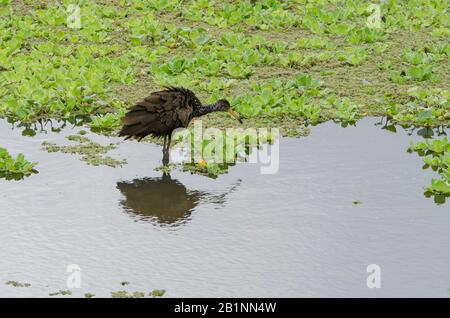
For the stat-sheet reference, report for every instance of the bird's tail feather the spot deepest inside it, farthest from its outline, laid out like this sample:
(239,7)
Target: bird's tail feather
(133,130)
(138,123)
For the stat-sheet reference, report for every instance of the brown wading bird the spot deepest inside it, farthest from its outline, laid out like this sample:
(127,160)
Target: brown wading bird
(164,111)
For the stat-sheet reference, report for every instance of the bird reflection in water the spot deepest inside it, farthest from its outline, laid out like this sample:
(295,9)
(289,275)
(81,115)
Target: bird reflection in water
(165,201)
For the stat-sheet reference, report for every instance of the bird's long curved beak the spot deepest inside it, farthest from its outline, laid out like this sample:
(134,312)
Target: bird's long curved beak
(234,114)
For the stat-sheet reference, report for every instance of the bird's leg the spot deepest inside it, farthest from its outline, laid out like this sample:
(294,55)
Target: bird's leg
(168,144)
(165,160)
(165,152)
(164,144)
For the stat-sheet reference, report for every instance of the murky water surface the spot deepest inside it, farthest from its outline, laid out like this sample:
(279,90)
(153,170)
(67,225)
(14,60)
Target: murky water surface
(294,233)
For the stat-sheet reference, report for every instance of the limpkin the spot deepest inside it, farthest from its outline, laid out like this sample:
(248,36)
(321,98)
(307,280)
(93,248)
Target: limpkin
(164,111)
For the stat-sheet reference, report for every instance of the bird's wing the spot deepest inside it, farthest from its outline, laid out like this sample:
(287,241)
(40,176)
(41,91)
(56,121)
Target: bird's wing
(158,113)
(173,107)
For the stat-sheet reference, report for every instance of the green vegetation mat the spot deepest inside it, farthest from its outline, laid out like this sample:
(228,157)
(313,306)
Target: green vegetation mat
(278,61)
(283,64)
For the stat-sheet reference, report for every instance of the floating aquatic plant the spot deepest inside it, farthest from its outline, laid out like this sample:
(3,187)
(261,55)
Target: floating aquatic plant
(215,153)
(426,108)
(15,168)
(436,155)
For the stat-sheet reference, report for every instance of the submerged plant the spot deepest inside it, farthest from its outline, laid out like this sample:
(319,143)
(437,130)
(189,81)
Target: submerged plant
(61,293)
(157,293)
(137,294)
(17,284)
(126,294)
(91,152)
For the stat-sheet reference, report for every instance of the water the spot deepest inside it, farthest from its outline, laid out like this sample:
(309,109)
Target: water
(296,233)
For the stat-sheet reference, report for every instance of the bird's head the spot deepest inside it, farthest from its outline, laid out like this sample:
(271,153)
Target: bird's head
(224,105)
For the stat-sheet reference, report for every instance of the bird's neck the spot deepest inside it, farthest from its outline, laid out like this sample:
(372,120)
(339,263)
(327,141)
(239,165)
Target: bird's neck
(206,109)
